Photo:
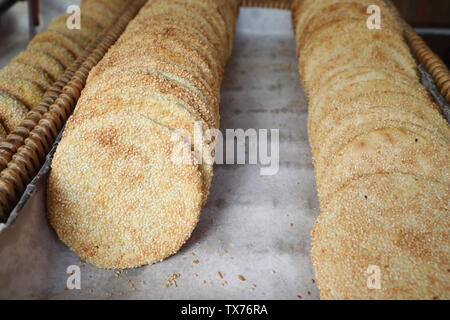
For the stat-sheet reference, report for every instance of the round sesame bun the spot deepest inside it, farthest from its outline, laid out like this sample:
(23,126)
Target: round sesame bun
(61,54)
(407,239)
(27,72)
(88,28)
(380,151)
(12,111)
(164,109)
(24,90)
(115,195)
(59,39)
(42,60)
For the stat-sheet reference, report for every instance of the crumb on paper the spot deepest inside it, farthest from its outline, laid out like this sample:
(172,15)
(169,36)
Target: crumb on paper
(132,285)
(291,224)
(194,254)
(171,280)
(224,283)
(224,252)
(309,293)
(241,277)
(219,275)
(196,261)
(299,297)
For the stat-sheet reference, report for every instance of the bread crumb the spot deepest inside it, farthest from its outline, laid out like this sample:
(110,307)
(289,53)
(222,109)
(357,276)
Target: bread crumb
(219,275)
(171,280)
(132,285)
(241,277)
(196,261)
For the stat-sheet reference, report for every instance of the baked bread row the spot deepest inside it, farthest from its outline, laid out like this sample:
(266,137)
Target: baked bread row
(381,152)
(116,195)
(25,79)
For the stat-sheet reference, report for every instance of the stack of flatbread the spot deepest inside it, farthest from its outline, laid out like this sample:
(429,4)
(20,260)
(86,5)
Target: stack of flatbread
(381,152)
(118,194)
(25,79)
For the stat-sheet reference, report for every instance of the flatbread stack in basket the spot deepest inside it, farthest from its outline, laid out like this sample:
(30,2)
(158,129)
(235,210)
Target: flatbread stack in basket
(116,194)
(25,79)
(381,156)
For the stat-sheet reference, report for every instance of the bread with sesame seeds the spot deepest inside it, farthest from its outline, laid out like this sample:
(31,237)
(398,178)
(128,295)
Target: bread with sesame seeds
(3,132)
(99,12)
(60,39)
(45,60)
(88,27)
(165,109)
(381,154)
(12,111)
(168,38)
(27,72)
(41,60)
(163,74)
(115,196)
(62,55)
(28,92)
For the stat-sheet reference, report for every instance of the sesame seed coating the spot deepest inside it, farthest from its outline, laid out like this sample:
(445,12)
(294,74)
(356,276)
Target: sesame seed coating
(381,154)
(26,78)
(116,196)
